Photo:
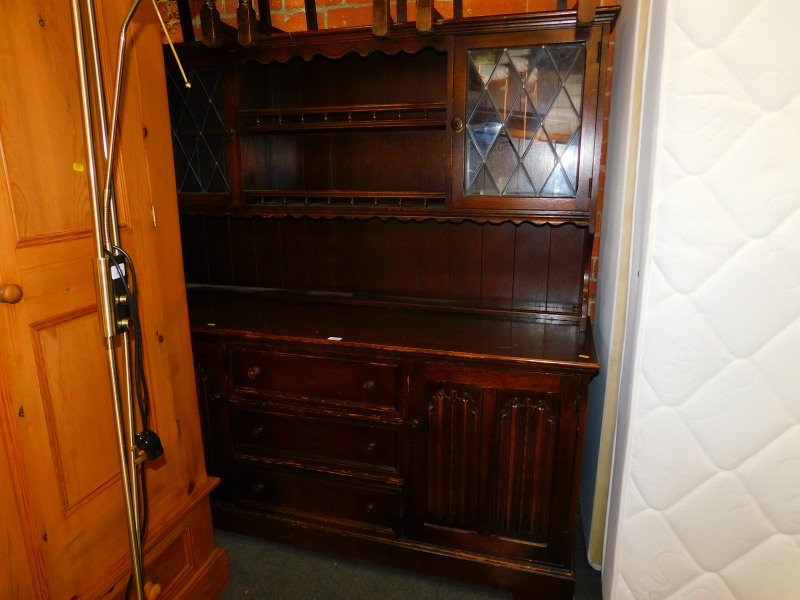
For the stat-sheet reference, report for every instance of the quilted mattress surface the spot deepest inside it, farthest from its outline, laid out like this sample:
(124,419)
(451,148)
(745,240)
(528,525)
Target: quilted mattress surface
(709,497)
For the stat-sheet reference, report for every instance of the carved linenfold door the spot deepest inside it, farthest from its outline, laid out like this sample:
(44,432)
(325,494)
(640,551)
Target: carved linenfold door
(494,459)
(61,502)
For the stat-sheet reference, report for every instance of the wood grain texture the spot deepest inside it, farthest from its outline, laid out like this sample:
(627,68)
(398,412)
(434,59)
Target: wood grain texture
(58,442)
(395,309)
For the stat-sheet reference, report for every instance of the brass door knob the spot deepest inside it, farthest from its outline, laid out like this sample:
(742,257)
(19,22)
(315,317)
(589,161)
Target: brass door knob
(10,293)
(253,372)
(457,124)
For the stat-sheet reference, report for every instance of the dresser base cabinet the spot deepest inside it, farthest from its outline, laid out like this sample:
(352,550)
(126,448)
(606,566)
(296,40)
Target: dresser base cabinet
(459,460)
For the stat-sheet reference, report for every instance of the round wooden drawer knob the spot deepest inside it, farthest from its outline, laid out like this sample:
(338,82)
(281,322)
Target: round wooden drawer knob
(369,386)
(257,431)
(253,372)
(258,487)
(10,293)
(372,448)
(152,590)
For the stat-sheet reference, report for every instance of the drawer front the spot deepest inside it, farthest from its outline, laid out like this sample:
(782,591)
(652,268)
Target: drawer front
(320,497)
(316,377)
(299,437)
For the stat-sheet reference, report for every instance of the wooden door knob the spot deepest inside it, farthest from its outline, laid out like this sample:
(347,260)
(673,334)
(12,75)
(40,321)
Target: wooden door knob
(10,293)
(152,590)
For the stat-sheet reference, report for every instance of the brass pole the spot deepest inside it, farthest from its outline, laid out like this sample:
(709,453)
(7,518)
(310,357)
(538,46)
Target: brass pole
(104,288)
(111,229)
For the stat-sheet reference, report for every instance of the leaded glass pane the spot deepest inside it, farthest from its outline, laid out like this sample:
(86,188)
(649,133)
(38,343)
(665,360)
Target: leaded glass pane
(558,184)
(502,162)
(483,184)
(484,125)
(539,162)
(523,120)
(520,184)
(198,132)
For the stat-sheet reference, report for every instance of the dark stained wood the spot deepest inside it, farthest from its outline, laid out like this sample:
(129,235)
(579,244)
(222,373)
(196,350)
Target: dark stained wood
(210,25)
(466,243)
(586,12)
(246,25)
(311,14)
(321,256)
(493,266)
(398,371)
(268,255)
(453,416)
(402,11)
(530,271)
(220,261)
(551,346)
(264,16)
(381,18)
(497,281)
(195,249)
(294,250)
(243,248)
(185,19)
(565,272)
(458,9)
(426,15)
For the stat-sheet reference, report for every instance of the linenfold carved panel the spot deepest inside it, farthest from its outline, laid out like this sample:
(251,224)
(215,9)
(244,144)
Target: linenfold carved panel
(453,415)
(528,420)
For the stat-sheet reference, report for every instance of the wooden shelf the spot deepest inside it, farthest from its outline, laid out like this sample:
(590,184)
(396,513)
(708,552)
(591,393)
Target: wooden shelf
(434,208)
(345,198)
(520,339)
(409,115)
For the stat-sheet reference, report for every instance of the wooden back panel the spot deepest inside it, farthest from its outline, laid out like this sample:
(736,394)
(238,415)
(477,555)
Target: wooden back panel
(507,266)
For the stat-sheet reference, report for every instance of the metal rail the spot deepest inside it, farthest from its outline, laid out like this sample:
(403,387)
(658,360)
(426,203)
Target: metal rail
(98,132)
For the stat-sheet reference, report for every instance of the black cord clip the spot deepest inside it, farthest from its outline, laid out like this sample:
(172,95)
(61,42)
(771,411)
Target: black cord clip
(148,442)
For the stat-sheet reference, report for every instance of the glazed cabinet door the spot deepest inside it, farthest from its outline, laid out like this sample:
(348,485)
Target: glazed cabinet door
(494,460)
(525,109)
(202,121)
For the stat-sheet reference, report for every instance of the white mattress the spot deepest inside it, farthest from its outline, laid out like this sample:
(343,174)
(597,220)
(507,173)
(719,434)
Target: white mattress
(706,489)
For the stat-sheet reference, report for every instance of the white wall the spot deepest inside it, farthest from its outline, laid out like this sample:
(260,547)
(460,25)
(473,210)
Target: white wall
(613,275)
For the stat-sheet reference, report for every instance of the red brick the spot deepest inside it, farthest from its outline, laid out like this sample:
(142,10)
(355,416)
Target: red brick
(290,22)
(327,3)
(348,17)
(541,5)
(477,8)
(445,8)
(592,288)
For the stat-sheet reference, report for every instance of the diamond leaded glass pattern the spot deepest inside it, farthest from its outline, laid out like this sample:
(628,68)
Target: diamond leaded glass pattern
(524,120)
(199,144)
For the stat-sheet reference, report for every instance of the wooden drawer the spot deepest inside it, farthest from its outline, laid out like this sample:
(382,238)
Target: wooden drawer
(320,497)
(316,377)
(296,437)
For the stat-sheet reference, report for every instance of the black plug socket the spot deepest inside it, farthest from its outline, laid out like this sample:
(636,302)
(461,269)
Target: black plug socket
(148,442)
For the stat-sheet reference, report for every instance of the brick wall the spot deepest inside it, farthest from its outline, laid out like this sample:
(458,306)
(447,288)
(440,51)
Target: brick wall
(289,15)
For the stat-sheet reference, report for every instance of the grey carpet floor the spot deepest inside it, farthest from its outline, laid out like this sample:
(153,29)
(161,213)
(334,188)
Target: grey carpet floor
(262,570)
